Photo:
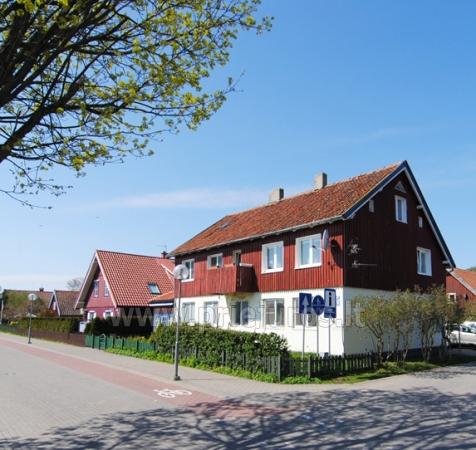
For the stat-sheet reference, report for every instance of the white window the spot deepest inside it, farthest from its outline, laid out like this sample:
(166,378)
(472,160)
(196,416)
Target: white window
(107,314)
(274,312)
(188,312)
(91,315)
(190,265)
(106,290)
(272,257)
(236,257)
(452,297)
(239,313)
(308,251)
(420,221)
(311,319)
(371,206)
(401,209)
(424,261)
(215,260)
(210,314)
(96,288)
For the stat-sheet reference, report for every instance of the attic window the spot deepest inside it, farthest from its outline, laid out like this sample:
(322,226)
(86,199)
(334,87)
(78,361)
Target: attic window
(399,187)
(224,225)
(153,288)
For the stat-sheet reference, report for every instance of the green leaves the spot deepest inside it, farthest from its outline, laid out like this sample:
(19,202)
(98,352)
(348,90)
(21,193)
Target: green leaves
(104,77)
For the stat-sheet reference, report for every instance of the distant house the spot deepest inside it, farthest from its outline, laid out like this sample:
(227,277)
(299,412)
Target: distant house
(122,284)
(17,304)
(461,284)
(62,304)
(367,235)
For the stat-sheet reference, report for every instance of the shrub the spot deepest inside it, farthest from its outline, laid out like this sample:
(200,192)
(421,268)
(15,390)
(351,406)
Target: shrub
(119,326)
(60,325)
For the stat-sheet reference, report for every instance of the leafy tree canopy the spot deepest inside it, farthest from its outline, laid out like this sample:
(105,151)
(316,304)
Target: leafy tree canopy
(90,81)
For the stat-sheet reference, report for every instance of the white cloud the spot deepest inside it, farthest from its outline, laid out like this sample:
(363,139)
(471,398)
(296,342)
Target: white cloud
(204,198)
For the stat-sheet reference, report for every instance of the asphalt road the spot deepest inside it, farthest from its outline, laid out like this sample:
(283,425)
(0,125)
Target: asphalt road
(54,396)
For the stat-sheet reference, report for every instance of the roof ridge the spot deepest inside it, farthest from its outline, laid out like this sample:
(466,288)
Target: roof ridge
(310,191)
(131,254)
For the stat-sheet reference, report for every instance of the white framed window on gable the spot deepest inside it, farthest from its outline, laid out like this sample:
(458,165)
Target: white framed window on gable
(274,312)
(215,261)
(190,265)
(106,290)
(272,257)
(424,261)
(308,251)
(401,211)
(96,288)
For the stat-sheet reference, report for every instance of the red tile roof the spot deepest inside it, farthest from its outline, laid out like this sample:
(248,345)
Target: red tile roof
(304,209)
(128,276)
(44,296)
(467,276)
(66,301)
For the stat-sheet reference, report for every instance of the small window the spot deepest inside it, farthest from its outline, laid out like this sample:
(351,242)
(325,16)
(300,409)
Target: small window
(239,313)
(153,288)
(420,221)
(399,187)
(215,260)
(371,206)
(91,315)
(190,265)
(401,209)
(106,290)
(311,319)
(107,314)
(96,288)
(274,312)
(272,257)
(188,312)
(236,257)
(452,297)
(424,261)
(308,251)
(210,315)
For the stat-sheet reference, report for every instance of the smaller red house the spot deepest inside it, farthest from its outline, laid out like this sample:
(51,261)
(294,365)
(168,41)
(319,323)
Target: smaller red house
(461,284)
(122,284)
(62,304)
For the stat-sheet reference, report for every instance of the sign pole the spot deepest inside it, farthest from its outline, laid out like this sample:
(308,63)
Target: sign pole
(329,336)
(304,319)
(317,335)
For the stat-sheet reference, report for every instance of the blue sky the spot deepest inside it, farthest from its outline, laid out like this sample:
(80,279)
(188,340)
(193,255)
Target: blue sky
(336,86)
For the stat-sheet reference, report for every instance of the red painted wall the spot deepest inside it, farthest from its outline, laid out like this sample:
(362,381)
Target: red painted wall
(100,303)
(453,286)
(329,274)
(391,245)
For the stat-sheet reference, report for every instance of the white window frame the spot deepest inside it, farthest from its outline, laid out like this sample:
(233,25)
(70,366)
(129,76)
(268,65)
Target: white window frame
(96,288)
(264,257)
(236,254)
(276,301)
(90,316)
(209,260)
(311,319)
(106,290)
(242,308)
(107,313)
(299,240)
(206,319)
(452,296)
(190,264)
(427,252)
(404,217)
(190,305)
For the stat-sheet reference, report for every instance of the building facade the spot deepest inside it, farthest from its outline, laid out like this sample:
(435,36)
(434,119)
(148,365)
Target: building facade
(369,235)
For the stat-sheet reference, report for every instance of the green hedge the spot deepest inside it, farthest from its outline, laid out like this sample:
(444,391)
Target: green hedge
(119,326)
(213,342)
(61,325)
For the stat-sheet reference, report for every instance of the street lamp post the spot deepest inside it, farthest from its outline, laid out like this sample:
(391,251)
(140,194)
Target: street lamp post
(32,298)
(1,305)
(180,273)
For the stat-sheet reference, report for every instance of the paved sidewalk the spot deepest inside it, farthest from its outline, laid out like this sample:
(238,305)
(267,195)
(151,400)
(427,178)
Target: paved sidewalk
(54,396)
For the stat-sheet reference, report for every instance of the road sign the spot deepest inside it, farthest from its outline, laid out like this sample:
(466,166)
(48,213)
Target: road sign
(318,305)
(305,303)
(330,299)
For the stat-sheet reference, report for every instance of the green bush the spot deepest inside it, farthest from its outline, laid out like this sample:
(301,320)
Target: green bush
(118,326)
(47,324)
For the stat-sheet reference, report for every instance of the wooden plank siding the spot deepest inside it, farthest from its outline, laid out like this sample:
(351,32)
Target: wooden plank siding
(453,286)
(330,273)
(391,245)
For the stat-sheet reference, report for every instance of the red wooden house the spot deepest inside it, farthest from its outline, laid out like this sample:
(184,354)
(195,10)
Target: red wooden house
(247,269)
(122,284)
(461,284)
